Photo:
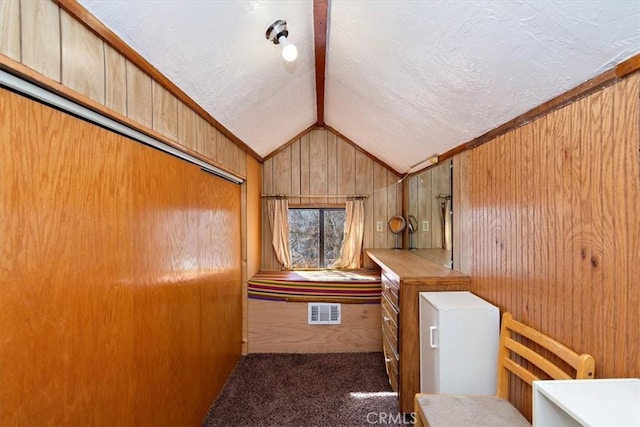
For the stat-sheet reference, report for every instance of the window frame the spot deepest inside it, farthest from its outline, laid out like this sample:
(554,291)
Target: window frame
(321,210)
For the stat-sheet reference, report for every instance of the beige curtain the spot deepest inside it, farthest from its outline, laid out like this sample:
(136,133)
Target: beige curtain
(351,250)
(278,210)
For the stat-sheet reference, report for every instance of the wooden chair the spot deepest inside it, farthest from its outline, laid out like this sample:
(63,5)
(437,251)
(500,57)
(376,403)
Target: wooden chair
(464,410)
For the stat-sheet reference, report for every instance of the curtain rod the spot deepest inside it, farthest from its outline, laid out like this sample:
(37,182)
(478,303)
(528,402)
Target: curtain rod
(310,196)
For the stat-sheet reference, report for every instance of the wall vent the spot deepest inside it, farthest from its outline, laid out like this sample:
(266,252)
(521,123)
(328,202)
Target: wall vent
(324,313)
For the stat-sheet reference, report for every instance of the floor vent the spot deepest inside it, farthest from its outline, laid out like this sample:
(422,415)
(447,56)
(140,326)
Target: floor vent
(324,314)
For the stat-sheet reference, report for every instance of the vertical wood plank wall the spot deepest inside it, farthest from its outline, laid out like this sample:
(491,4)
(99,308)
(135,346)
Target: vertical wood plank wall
(120,297)
(252,245)
(167,362)
(320,162)
(46,39)
(554,208)
(462,232)
(281,327)
(424,204)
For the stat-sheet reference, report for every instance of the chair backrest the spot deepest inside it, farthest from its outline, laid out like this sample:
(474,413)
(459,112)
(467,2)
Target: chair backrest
(510,348)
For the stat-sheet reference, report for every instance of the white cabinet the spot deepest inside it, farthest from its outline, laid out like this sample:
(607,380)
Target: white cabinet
(459,334)
(602,402)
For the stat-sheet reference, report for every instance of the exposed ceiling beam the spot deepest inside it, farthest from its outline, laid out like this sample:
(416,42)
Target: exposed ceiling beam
(320,13)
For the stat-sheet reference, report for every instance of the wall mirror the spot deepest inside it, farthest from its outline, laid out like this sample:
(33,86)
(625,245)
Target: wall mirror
(430,210)
(396,225)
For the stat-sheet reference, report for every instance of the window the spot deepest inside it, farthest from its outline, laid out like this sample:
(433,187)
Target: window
(315,236)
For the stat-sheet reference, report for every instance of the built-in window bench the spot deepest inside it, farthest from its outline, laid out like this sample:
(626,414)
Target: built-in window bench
(343,286)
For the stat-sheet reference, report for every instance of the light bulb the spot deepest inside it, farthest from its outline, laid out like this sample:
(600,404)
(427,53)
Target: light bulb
(289,51)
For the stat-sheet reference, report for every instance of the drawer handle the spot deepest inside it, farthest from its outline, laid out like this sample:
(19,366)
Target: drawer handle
(432,342)
(386,319)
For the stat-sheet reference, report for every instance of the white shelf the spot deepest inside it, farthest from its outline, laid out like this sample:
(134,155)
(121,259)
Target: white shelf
(601,402)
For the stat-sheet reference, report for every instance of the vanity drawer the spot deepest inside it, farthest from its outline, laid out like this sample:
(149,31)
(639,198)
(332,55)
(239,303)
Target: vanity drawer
(391,363)
(389,324)
(391,289)
(390,309)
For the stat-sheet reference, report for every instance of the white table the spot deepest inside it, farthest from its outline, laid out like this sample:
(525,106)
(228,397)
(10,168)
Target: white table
(601,402)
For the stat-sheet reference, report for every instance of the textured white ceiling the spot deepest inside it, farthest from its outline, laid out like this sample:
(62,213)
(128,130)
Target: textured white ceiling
(405,80)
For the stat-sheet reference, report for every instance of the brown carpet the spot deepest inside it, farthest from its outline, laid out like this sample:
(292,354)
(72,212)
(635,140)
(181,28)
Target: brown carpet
(339,389)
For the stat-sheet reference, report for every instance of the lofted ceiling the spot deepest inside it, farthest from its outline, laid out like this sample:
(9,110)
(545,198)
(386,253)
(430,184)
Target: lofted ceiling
(404,80)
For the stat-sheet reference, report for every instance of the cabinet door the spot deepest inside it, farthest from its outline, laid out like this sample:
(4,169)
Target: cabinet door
(429,348)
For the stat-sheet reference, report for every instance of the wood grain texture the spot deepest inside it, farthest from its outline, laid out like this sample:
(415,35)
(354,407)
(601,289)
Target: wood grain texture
(200,131)
(32,76)
(120,264)
(92,69)
(223,149)
(252,243)
(364,185)
(320,16)
(83,59)
(216,221)
(139,96)
(627,251)
(440,184)
(584,89)
(229,155)
(393,191)
(240,160)
(629,66)
(165,112)
(75,9)
(555,227)
(269,261)
(65,306)
(188,127)
(332,167)
(295,172)
(425,210)
(346,167)
(321,162)
(282,165)
(305,169)
(209,142)
(281,327)
(462,244)
(318,164)
(423,189)
(380,211)
(10,29)
(115,80)
(411,274)
(357,147)
(40,36)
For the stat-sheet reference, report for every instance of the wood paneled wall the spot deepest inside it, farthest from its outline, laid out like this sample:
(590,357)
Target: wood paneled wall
(49,41)
(462,231)
(424,204)
(251,247)
(320,162)
(281,327)
(120,296)
(554,208)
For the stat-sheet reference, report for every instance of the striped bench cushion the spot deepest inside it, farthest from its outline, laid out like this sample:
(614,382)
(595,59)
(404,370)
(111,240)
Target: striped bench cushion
(352,286)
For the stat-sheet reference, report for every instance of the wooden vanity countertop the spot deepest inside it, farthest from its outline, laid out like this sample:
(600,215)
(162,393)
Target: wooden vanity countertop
(407,266)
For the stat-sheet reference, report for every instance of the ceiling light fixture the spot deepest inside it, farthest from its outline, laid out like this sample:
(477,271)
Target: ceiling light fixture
(277,33)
